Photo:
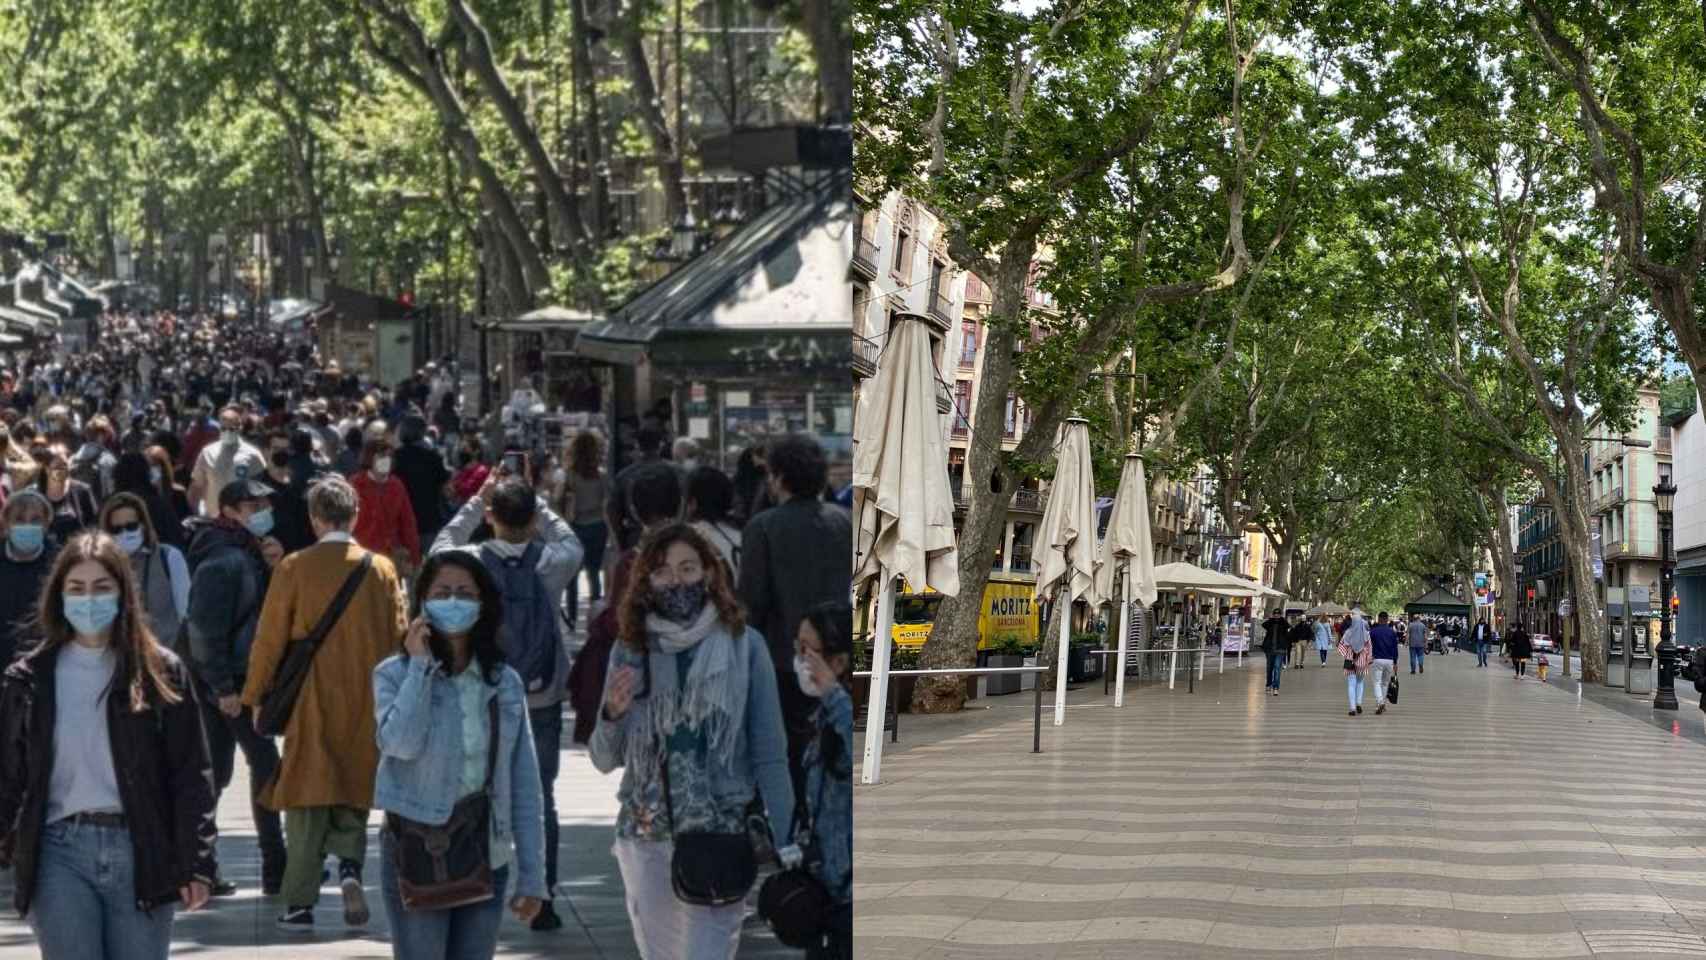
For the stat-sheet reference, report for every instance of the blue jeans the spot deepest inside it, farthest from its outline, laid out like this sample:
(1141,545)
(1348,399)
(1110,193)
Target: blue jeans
(1276,668)
(460,933)
(592,537)
(1481,654)
(1416,658)
(1354,687)
(85,898)
(547,723)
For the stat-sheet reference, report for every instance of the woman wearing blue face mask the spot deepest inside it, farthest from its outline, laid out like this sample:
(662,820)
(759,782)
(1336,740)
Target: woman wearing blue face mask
(106,789)
(440,704)
(162,576)
(25,558)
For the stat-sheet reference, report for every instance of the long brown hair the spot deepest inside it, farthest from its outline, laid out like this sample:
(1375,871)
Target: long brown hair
(583,455)
(631,615)
(141,660)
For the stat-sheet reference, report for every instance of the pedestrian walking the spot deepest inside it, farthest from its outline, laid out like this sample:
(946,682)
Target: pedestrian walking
(1384,639)
(583,506)
(217,464)
(794,556)
(1480,635)
(325,783)
(456,753)
(1323,637)
(1417,632)
(1358,652)
(421,468)
(162,574)
(1540,665)
(231,557)
(386,522)
(1520,648)
(25,562)
(106,788)
(692,715)
(1276,641)
(823,665)
(533,556)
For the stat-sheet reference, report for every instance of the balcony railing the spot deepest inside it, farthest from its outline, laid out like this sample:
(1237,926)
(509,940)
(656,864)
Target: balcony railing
(944,398)
(865,353)
(864,256)
(941,309)
(1663,444)
(1028,500)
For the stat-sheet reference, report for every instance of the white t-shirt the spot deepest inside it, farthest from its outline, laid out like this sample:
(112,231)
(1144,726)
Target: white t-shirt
(218,465)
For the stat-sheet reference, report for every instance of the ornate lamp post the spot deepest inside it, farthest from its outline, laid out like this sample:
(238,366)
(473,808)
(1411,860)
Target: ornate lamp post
(1665,699)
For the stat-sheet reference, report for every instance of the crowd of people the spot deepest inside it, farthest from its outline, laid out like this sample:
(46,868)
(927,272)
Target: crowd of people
(213,543)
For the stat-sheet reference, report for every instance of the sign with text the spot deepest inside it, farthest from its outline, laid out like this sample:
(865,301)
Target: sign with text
(1236,637)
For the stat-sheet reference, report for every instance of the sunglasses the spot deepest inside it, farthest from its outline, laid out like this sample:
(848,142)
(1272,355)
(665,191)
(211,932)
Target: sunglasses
(118,528)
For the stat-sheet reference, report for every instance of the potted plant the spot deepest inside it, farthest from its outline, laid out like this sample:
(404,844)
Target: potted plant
(1080,665)
(900,688)
(1007,651)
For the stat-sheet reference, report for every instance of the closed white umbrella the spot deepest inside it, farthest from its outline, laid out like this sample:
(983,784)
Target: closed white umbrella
(1127,568)
(1067,537)
(901,500)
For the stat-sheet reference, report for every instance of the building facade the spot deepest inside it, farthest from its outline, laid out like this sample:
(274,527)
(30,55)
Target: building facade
(1622,507)
(1541,582)
(1688,457)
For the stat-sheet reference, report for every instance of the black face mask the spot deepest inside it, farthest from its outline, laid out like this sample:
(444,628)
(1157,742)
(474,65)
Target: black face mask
(281,458)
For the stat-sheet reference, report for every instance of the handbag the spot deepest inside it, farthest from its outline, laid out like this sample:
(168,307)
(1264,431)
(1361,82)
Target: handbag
(707,869)
(1392,691)
(795,903)
(279,700)
(450,864)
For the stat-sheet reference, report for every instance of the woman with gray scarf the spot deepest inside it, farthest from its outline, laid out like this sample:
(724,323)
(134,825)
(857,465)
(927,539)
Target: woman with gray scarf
(1358,654)
(692,715)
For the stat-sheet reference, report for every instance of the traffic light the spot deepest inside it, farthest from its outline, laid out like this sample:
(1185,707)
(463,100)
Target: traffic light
(1675,603)
(407,299)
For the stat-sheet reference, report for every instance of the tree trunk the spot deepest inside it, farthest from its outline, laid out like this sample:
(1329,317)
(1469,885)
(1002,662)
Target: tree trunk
(592,130)
(1504,556)
(550,182)
(953,639)
(826,23)
(650,108)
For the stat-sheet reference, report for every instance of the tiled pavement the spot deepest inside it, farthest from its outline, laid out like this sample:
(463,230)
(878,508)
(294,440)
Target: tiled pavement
(1482,817)
(590,895)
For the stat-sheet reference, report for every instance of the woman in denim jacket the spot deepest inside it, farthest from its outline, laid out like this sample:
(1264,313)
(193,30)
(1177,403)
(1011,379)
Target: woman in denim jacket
(823,664)
(433,729)
(712,696)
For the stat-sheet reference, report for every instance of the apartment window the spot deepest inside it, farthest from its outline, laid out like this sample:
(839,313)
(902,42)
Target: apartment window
(861,300)
(1011,417)
(936,275)
(968,342)
(962,407)
(976,292)
(902,268)
(956,470)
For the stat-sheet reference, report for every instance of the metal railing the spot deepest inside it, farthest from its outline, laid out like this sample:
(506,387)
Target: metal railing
(1036,723)
(865,255)
(865,354)
(942,306)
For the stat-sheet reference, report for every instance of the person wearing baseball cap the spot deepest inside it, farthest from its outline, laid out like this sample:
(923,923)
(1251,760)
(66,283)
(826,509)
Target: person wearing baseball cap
(231,557)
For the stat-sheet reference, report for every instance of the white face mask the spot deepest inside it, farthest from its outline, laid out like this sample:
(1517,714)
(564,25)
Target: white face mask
(229,437)
(803,673)
(382,466)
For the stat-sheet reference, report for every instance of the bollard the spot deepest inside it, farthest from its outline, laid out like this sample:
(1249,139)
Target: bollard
(1037,723)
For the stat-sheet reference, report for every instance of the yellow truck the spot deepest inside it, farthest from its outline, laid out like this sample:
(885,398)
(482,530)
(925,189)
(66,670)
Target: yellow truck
(1009,610)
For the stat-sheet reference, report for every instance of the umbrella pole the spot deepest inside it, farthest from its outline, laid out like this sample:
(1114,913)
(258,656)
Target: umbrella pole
(1064,613)
(1173,661)
(1125,634)
(877,713)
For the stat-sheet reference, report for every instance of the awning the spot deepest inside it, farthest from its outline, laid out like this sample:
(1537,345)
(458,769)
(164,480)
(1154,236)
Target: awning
(544,319)
(770,295)
(1438,601)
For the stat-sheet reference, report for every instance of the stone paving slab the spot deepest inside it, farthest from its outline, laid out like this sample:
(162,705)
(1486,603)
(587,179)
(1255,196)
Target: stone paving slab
(1482,817)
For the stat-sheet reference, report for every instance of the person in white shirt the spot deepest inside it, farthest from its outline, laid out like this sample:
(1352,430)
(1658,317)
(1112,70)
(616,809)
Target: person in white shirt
(221,463)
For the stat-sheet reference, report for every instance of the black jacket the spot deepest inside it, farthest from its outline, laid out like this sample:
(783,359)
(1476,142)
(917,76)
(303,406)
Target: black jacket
(1300,632)
(165,780)
(228,581)
(20,587)
(1274,635)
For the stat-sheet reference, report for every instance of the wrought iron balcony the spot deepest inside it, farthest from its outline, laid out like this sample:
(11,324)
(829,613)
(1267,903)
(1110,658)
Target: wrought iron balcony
(865,353)
(864,256)
(941,310)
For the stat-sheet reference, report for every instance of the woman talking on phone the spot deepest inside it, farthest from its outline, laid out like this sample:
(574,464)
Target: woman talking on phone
(106,789)
(456,769)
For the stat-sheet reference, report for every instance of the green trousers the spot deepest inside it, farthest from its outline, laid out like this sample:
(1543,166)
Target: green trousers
(312,832)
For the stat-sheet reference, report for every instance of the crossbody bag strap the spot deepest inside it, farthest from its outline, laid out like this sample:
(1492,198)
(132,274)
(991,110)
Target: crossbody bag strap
(491,740)
(663,749)
(339,602)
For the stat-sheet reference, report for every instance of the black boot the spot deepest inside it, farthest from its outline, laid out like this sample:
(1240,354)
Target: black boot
(547,918)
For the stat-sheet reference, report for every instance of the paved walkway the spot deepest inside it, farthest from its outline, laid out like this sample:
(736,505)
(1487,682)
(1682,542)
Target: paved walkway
(1482,817)
(589,900)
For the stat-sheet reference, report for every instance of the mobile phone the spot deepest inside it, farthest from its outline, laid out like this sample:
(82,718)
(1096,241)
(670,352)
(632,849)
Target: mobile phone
(514,462)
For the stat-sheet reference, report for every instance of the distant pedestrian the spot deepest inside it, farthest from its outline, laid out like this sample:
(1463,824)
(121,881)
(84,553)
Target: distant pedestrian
(1540,665)
(1357,652)
(1480,635)
(1276,642)
(1384,638)
(1299,636)
(1323,637)
(1520,647)
(25,560)
(1418,635)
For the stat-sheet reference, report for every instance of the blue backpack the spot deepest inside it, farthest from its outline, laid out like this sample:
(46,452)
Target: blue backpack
(530,640)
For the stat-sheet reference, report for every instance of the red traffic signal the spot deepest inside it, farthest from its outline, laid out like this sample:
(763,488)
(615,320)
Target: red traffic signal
(407,299)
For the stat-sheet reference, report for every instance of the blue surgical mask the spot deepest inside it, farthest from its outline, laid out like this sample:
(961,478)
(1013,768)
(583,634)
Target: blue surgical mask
(452,614)
(130,541)
(91,614)
(260,522)
(27,537)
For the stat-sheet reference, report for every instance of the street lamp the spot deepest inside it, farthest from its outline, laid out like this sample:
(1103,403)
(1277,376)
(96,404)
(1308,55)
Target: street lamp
(1665,699)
